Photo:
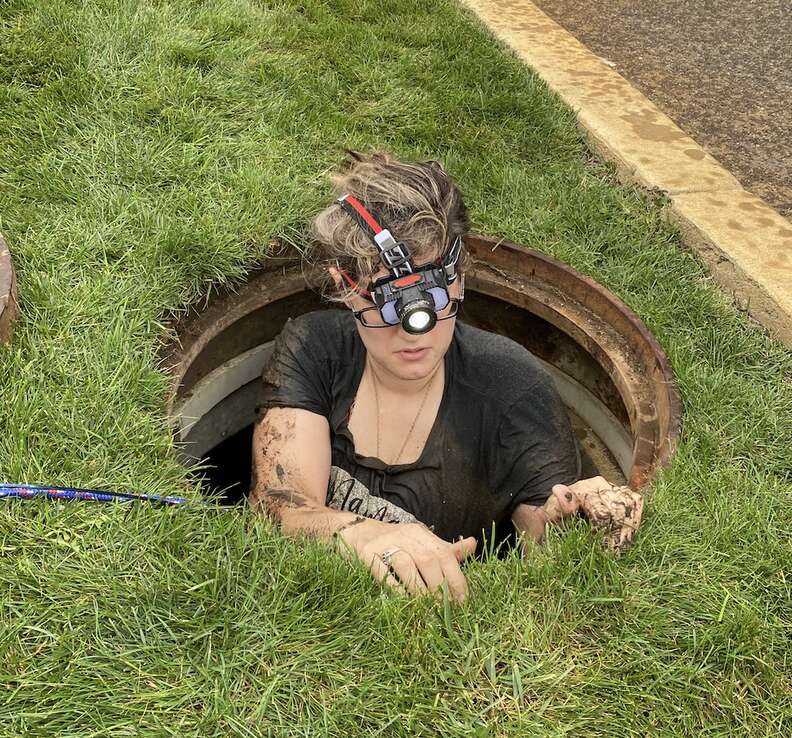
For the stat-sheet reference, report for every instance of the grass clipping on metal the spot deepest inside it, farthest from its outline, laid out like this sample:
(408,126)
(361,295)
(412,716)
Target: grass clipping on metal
(151,150)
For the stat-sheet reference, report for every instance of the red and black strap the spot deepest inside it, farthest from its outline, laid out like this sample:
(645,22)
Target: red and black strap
(353,207)
(394,254)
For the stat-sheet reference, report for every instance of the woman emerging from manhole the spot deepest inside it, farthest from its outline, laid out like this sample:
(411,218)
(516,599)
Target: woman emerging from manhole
(403,434)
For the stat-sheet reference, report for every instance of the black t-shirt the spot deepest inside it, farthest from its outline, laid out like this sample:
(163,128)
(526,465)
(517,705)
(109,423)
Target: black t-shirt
(501,437)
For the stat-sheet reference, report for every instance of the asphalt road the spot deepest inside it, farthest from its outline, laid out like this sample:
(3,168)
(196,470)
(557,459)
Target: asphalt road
(721,69)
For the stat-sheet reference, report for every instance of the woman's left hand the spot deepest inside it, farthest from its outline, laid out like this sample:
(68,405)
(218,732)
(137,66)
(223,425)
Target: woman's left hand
(618,510)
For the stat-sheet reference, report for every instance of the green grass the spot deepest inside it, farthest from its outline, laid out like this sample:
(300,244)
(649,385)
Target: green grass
(149,151)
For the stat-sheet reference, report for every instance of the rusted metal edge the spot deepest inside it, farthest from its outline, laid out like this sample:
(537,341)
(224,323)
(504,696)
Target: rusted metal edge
(609,330)
(8,293)
(194,329)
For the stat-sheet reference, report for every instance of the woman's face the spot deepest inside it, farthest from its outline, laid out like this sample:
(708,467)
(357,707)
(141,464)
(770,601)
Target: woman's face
(404,355)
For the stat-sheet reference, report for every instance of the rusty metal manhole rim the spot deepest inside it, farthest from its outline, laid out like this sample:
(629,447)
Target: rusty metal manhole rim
(539,283)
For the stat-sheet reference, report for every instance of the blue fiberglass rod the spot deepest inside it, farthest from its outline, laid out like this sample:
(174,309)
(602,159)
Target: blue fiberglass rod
(30,491)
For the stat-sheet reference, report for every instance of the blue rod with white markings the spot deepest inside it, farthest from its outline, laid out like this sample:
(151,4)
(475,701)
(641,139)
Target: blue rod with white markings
(30,491)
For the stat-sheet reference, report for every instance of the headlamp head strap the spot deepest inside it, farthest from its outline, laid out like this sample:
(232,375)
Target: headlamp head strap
(394,255)
(451,260)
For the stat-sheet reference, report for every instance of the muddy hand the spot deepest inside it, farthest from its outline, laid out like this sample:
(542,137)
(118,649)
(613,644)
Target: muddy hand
(618,510)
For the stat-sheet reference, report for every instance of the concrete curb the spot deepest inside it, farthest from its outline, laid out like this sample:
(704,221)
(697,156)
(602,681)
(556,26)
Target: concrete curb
(746,244)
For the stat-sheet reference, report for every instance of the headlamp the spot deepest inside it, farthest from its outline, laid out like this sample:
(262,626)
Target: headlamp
(409,296)
(418,318)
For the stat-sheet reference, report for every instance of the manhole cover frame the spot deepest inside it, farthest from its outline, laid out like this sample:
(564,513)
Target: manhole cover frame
(595,319)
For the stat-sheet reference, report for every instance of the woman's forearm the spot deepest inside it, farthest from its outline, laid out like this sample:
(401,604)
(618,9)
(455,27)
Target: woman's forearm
(296,514)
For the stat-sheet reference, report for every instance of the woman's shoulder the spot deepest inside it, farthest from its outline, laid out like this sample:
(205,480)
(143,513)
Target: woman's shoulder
(495,366)
(322,320)
(324,330)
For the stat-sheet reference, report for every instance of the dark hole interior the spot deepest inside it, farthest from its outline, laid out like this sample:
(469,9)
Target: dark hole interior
(229,468)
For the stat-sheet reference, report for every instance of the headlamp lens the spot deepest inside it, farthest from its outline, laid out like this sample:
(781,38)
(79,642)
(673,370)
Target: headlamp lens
(418,317)
(418,320)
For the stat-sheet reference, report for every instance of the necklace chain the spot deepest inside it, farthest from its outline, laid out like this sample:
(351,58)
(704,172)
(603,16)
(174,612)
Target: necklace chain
(417,415)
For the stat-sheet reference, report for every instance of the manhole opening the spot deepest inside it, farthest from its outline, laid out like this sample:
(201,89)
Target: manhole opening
(610,372)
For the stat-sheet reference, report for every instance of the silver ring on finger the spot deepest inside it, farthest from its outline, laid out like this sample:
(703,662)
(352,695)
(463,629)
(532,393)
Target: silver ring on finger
(388,553)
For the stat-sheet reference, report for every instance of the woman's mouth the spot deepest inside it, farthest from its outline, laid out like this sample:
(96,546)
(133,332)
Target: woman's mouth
(413,354)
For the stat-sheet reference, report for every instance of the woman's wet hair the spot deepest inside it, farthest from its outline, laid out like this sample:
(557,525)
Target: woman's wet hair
(416,200)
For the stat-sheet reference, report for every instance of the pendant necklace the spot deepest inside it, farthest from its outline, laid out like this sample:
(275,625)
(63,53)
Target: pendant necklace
(415,420)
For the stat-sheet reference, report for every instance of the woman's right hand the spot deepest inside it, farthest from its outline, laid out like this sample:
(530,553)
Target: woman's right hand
(409,556)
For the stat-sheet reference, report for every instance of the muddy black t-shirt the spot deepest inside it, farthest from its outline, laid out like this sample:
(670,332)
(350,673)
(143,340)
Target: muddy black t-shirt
(501,437)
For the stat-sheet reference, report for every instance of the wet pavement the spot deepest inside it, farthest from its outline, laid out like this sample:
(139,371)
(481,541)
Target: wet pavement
(721,70)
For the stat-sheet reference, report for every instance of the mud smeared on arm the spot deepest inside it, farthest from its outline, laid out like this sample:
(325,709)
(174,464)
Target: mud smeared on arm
(268,496)
(273,500)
